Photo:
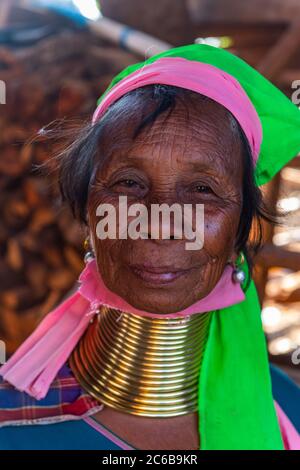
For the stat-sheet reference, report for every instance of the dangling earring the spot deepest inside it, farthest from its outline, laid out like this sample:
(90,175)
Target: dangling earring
(89,252)
(238,275)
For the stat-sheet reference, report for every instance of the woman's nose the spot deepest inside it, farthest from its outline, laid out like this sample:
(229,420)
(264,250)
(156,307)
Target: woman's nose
(165,216)
(165,228)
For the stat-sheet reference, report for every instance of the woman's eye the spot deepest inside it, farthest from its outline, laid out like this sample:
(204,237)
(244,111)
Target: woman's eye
(202,188)
(128,183)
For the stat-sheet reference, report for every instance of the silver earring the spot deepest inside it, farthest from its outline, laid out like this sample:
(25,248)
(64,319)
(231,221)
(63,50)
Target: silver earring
(238,275)
(89,253)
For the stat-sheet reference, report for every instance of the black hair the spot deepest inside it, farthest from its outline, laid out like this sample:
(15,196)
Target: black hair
(78,161)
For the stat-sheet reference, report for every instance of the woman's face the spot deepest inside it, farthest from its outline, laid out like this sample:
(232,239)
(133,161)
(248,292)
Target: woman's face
(195,160)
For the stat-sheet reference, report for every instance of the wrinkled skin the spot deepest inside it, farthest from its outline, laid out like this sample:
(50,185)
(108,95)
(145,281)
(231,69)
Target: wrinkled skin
(195,159)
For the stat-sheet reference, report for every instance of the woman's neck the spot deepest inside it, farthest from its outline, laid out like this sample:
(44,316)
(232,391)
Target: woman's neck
(140,365)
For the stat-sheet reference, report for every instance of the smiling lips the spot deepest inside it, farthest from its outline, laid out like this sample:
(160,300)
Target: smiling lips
(157,275)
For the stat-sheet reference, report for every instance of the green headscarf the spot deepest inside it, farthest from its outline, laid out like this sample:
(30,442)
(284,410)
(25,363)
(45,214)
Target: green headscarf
(236,407)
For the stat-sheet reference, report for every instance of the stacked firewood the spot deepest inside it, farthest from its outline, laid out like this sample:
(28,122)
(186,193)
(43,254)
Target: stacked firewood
(41,252)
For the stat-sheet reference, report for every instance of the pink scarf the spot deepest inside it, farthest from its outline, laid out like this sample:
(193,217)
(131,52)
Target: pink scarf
(35,364)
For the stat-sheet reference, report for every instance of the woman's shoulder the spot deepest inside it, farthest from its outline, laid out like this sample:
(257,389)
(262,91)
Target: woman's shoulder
(65,400)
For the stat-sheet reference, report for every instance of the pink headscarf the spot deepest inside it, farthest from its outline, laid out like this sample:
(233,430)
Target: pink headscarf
(201,78)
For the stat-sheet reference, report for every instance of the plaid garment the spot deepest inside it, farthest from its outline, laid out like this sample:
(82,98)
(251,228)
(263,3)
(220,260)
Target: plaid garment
(65,401)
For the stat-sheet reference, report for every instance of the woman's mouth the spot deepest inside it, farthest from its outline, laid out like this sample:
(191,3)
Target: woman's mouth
(158,274)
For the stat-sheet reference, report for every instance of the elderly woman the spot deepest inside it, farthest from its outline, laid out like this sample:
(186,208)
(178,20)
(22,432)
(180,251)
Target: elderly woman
(162,347)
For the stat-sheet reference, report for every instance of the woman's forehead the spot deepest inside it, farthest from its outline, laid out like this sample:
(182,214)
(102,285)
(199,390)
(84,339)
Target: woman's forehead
(204,140)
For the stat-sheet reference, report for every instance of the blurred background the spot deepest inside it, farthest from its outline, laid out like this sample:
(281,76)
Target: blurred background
(56,58)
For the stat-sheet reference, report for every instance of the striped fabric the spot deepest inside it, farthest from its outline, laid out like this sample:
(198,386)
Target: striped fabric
(65,401)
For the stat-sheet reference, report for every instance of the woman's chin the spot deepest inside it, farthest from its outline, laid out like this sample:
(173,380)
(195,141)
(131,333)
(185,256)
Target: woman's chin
(160,301)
